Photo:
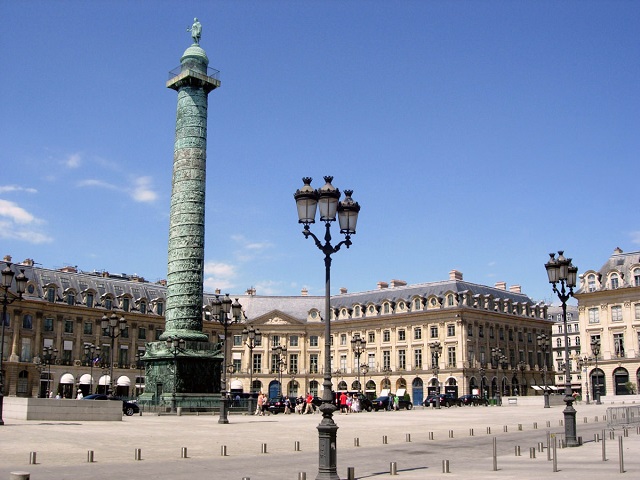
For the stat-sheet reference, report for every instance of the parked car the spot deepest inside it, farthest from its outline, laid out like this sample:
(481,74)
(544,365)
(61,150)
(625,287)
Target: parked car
(427,401)
(446,400)
(275,405)
(128,407)
(382,403)
(470,399)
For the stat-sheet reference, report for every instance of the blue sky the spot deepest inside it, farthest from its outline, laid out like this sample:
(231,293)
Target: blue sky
(476,135)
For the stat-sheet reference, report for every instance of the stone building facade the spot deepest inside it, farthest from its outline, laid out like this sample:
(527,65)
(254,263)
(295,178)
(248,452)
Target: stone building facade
(398,323)
(609,311)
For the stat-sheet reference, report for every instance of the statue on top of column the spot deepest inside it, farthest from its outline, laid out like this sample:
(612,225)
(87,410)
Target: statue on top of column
(196,31)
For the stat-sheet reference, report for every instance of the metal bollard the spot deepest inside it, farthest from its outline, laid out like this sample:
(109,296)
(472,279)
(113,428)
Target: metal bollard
(223,450)
(596,437)
(548,423)
(621,454)
(393,468)
(263,448)
(517,450)
(19,476)
(532,452)
(90,456)
(351,473)
(296,446)
(302,475)
(535,425)
(356,442)
(561,423)
(519,427)
(183,452)
(384,439)
(495,454)
(504,428)
(612,435)
(450,433)
(555,455)
(32,458)
(488,430)
(246,478)
(625,432)
(445,466)
(604,447)
(540,447)
(471,432)
(430,435)
(137,454)
(586,420)
(407,437)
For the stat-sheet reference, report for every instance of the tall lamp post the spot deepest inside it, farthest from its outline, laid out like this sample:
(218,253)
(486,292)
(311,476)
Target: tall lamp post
(436,350)
(584,363)
(49,355)
(504,364)
(112,327)
(252,337)
(307,201)
(220,310)
(175,345)
(280,351)
(7,299)
(92,353)
(543,345)
(358,345)
(561,271)
(140,365)
(482,371)
(595,349)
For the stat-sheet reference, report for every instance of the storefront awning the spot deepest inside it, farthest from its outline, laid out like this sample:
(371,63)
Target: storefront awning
(123,381)
(67,378)
(85,379)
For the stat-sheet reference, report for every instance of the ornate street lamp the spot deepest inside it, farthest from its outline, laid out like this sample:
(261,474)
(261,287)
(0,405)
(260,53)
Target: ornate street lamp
(436,350)
(220,310)
(7,299)
(252,337)
(175,345)
(307,201)
(595,349)
(561,271)
(543,344)
(140,365)
(496,353)
(280,351)
(504,364)
(585,363)
(358,346)
(364,369)
(92,353)
(482,371)
(112,327)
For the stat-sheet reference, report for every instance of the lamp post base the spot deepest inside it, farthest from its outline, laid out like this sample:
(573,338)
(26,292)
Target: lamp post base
(570,429)
(223,410)
(328,437)
(546,400)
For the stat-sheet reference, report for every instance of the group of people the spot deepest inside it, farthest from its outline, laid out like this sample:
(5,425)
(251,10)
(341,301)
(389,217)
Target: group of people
(300,405)
(349,403)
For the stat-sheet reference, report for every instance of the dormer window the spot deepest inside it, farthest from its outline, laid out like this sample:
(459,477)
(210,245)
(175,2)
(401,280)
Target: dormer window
(143,307)
(385,308)
(126,304)
(51,294)
(108,303)
(591,283)
(71,298)
(614,280)
(356,311)
(160,308)
(89,299)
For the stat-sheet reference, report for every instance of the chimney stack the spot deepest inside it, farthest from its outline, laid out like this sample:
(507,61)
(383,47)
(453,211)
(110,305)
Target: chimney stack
(455,275)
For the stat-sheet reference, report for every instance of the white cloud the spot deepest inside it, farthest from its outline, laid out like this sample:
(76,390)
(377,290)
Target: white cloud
(96,183)
(72,161)
(219,275)
(16,188)
(18,224)
(142,191)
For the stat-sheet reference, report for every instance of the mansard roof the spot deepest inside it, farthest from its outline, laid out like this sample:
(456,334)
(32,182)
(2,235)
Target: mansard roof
(424,290)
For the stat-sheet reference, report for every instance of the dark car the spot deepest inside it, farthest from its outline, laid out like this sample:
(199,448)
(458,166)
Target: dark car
(470,399)
(427,401)
(128,408)
(382,403)
(277,405)
(446,400)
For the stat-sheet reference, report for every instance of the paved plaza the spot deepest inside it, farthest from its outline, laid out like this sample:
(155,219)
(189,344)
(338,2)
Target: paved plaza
(417,441)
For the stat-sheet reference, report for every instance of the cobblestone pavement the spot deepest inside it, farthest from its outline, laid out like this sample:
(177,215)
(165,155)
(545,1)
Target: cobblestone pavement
(418,441)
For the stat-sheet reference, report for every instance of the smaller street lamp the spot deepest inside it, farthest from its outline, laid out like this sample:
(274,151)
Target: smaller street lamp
(358,347)
(280,351)
(49,355)
(140,365)
(595,349)
(7,299)
(252,337)
(504,364)
(496,353)
(522,366)
(92,353)
(220,310)
(436,350)
(112,327)
(482,371)
(543,344)
(585,363)
(175,346)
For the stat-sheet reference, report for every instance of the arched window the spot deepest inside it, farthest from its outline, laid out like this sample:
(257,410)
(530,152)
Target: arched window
(591,283)
(614,280)
(636,277)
